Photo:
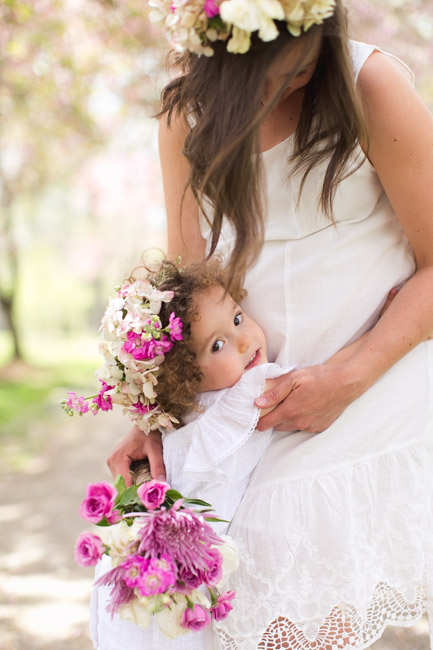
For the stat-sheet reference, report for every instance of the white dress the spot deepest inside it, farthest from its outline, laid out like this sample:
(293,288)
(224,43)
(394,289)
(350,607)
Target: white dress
(335,529)
(212,458)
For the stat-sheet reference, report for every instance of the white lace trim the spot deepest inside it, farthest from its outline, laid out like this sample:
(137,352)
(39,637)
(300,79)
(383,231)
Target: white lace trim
(304,584)
(345,628)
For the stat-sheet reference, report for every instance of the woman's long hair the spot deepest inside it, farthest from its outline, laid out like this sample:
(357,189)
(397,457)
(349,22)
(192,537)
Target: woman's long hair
(220,99)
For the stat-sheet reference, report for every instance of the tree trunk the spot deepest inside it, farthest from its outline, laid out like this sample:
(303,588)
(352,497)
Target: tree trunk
(7,306)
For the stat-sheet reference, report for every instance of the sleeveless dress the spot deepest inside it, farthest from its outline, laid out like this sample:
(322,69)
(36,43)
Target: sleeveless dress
(335,529)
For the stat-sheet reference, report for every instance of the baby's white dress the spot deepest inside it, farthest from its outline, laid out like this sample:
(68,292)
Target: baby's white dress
(212,458)
(335,529)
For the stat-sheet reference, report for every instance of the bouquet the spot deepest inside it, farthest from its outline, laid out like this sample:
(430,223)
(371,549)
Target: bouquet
(162,551)
(134,344)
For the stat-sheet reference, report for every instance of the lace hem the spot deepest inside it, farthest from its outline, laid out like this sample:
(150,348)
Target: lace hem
(345,628)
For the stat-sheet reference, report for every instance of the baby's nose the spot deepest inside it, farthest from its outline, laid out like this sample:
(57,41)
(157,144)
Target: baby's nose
(244,341)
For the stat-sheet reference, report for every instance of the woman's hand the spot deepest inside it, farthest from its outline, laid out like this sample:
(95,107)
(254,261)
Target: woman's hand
(136,445)
(307,400)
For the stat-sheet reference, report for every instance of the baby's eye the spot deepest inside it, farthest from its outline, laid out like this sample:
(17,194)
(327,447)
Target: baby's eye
(217,346)
(238,319)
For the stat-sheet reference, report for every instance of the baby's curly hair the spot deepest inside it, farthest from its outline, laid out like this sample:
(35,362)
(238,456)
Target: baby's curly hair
(180,375)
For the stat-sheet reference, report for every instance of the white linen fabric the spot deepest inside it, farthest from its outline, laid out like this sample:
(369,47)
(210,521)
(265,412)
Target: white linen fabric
(335,529)
(211,457)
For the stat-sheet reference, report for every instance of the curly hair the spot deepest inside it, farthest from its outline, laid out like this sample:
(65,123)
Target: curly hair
(180,375)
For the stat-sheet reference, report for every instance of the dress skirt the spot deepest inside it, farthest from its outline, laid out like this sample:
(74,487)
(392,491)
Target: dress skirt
(335,530)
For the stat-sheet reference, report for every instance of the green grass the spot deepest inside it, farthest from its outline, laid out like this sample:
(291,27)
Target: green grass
(53,365)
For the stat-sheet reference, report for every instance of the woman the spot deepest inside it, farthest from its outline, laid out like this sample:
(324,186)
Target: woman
(310,160)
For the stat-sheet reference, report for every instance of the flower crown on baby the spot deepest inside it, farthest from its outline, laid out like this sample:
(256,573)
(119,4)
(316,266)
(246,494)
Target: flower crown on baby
(134,344)
(195,24)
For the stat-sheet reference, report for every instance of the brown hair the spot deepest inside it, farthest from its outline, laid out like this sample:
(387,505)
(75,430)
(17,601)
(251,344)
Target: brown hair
(180,375)
(219,97)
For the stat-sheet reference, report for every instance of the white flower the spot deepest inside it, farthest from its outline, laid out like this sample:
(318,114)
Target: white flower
(119,538)
(240,41)
(169,618)
(230,554)
(137,611)
(252,16)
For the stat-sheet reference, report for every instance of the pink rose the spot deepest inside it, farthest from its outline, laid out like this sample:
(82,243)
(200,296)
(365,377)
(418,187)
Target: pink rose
(99,503)
(192,579)
(152,494)
(195,619)
(214,571)
(88,549)
(223,606)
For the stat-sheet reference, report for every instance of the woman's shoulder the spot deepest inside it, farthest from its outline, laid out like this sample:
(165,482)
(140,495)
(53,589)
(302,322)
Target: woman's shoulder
(374,65)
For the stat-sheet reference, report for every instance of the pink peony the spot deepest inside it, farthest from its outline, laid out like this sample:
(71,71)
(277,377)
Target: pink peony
(195,619)
(88,549)
(159,577)
(135,566)
(152,494)
(175,327)
(223,606)
(211,8)
(99,502)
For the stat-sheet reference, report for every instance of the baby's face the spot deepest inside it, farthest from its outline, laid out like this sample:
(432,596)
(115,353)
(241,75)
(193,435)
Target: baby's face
(226,341)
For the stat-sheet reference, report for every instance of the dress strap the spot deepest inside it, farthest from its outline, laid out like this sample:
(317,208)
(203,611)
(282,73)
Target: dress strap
(360,53)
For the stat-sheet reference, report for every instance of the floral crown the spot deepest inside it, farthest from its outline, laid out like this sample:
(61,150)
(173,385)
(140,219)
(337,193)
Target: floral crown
(195,24)
(134,345)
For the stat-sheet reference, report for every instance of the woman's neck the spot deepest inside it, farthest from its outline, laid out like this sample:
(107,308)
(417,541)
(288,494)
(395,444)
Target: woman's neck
(282,121)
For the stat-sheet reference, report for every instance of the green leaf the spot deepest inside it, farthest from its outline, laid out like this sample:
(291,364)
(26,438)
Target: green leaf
(120,485)
(128,496)
(174,494)
(199,502)
(104,523)
(225,521)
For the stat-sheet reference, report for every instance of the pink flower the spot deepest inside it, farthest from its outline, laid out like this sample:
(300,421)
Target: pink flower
(99,503)
(142,409)
(214,572)
(120,593)
(195,619)
(159,577)
(163,345)
(175,327)
(191,579)
(223,606)
(181,534)
(211,8)
(103,401)
(77,404)
(152,494)
(135,566)
(139,348)
(88,549)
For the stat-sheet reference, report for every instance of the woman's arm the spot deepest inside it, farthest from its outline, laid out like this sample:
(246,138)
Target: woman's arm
(401,149)
(184,240)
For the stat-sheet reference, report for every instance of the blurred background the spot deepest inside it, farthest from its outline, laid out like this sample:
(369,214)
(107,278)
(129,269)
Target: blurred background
(80,200)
